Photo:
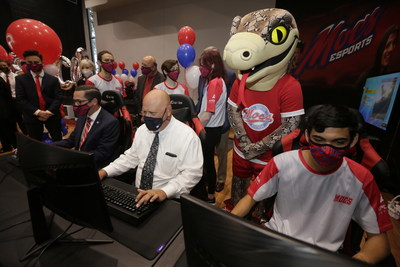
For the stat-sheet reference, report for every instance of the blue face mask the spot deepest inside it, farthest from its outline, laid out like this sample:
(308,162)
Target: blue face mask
(153,124)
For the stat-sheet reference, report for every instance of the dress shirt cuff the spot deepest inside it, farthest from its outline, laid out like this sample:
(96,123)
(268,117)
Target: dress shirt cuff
(170,191)
(36,113)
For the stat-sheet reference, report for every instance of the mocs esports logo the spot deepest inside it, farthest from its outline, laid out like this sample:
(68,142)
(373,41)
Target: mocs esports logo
(339,40)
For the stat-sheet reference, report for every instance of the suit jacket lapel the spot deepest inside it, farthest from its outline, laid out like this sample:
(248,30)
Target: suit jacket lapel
(95,125)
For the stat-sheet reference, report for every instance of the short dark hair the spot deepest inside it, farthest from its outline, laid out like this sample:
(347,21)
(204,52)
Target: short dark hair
(101,53)
(91,92)
(32,52)
(167,65)
(337,116)
(6,61)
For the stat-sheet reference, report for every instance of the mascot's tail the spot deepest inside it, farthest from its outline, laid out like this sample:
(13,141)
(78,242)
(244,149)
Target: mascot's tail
(241,98)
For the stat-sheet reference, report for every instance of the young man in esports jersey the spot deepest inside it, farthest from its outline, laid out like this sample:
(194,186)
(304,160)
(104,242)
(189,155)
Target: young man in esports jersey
(319,190)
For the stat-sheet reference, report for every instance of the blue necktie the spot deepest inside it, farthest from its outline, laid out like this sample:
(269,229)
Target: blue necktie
(146,182)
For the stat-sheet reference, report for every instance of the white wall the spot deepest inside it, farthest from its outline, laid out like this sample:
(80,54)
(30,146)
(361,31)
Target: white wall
(145,28)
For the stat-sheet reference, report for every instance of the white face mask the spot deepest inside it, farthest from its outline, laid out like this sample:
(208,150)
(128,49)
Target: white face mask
(394,208)
(87,73)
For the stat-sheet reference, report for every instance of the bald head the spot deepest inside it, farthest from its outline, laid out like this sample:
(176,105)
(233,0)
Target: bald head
(149,60)
(157,97)
(157,104)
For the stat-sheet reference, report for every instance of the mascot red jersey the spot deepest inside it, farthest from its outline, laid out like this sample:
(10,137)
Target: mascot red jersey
(266,102)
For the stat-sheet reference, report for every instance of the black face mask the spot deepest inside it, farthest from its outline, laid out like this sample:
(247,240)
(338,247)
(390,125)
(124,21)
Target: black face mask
(5,69)
(153,124)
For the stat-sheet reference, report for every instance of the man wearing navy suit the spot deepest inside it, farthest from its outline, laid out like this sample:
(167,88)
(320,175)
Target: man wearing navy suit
(39,98)
(96,130)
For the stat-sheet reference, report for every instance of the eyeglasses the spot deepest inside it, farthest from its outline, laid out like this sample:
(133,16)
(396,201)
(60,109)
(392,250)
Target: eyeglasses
(79,102)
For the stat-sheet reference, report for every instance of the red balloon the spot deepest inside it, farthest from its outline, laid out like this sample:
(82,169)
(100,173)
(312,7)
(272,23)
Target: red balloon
(135,65)
(121,65)
(11,56)
(3,53)
(115,64)
(24,34)
(186,35)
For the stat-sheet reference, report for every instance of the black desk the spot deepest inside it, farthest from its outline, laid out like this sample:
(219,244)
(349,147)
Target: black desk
(14,242)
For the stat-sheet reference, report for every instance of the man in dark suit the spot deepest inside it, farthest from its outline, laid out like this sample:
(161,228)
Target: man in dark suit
(150,77)
(7,122)
(39,97)
(96,130)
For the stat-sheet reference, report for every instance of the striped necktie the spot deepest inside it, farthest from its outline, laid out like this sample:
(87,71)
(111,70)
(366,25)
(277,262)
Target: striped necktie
(85,131)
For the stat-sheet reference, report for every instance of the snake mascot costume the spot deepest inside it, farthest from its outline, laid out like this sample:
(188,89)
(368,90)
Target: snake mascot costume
(266,102)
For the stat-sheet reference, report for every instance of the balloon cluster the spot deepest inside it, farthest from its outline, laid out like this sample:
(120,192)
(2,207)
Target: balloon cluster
(125,72)
(186,55)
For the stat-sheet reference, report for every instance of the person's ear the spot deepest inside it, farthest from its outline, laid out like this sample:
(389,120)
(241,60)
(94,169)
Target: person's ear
(355,140)
(307,136)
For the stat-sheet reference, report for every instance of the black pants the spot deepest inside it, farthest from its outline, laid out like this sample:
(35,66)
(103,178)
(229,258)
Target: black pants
(7,134)
(213,136)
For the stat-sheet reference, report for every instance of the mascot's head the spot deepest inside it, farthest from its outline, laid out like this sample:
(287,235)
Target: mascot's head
(262,47)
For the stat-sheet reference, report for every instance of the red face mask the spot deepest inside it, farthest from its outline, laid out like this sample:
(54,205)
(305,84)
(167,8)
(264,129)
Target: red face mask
(35,67)
(173,75)
(204,71)
(145,70)
(327,155)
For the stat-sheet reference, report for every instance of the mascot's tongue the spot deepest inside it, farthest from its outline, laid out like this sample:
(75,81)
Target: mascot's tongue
(241,99)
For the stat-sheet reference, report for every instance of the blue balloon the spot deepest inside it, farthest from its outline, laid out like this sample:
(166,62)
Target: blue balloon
(133,72)
(125,71)
(64,131)
(186,55)
(114,71)
(63,123)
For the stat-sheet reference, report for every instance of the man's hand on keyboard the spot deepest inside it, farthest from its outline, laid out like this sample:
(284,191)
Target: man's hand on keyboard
(145,196)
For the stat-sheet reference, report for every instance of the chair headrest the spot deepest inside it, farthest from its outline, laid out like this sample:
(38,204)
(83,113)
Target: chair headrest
(112,100)
(182,101)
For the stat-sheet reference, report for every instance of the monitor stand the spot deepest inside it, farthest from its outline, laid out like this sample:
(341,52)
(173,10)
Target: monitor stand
(41,229)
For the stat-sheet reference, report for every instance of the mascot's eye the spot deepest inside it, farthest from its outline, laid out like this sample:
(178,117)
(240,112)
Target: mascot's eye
(279,34)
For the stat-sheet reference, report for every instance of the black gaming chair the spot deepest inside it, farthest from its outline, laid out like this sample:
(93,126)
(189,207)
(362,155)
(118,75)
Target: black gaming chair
(113,102)
(183,109)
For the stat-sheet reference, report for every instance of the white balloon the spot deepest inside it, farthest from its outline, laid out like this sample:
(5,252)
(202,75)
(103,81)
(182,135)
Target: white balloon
(51,69)
(192,76)
(124,77)
(118,75)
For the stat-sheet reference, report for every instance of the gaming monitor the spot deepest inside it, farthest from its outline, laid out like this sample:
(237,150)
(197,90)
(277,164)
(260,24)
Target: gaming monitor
(378,99)
(66,182)
(214,237)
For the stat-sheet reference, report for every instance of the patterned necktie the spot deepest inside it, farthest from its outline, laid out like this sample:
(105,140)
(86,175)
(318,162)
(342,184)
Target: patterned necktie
(148,169)
(85,131)
(42,102)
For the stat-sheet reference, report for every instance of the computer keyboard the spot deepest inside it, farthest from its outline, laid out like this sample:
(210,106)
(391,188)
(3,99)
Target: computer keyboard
(122,205)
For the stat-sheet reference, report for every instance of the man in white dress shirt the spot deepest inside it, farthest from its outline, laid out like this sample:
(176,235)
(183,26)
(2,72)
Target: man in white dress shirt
(179,159)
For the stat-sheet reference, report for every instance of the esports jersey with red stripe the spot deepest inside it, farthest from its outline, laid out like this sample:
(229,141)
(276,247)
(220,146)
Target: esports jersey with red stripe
(266,108)
(317,207)
(178,89)
(102,84)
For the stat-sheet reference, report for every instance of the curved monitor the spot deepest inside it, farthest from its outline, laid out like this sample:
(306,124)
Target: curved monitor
(214,237)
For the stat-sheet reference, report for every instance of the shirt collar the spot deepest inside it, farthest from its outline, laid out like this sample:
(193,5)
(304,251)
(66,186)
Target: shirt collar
(94,115)
(41,74)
